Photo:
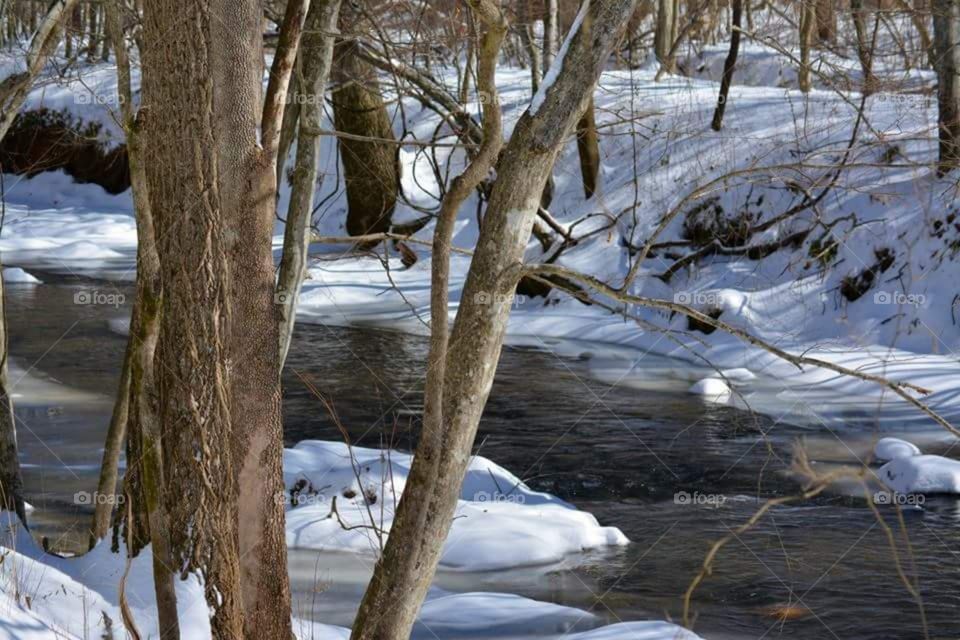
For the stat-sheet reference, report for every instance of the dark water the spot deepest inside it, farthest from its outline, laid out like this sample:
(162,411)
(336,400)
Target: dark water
(622,454)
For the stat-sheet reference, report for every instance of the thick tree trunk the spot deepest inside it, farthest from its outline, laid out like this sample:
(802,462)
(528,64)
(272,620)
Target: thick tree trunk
(826,20)
(247,173)
(370,171)
(404,572)
(946,36)
(316,56)
(665,34)
(144,484)
(807,24)
(728,65)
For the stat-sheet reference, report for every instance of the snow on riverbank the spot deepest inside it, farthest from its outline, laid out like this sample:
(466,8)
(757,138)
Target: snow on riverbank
(866,281)
(500,523)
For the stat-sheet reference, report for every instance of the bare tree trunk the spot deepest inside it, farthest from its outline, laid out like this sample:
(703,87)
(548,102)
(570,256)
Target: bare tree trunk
(665,34)
(728,65)
(946,36)
(807,24)
(588,147)
(525,31)
(112,448)
(826,20)
(11,481)
(316,56)
(140,413)
(214,218)
(551,20)
(370,172)
(250,210)
(14,88)
(864,50)
(404,572)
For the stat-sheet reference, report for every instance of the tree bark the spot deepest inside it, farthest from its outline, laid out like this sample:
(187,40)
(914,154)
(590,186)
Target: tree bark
(370,171)
(864,50)
(551,18)
(946,36)
(316,56)
(588,148)
(826,14)
(112,448)
(404,572)
(728,65)
(665,34)
(138,418)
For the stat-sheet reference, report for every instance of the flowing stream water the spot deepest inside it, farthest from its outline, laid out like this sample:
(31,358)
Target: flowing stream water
(674,473)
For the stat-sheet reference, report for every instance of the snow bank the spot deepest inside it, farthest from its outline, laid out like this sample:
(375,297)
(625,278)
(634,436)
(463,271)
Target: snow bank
(888,449)
(921,474)
(16,275)
(500,522)
(712,390)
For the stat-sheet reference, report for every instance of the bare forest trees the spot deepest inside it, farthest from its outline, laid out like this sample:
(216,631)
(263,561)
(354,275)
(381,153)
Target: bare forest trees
(808,17)
(946,29)
(667,30)
(424,515)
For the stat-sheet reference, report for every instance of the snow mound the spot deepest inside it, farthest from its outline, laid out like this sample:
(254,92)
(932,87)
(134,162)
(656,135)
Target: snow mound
(83,250)
(921,474)
(645,630)
(888,449)
(712,390)
(500,522)
(16,275)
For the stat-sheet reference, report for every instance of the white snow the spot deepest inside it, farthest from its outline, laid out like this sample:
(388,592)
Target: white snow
(712,390)
(16,275)
(888,449)
(921,474)
(500,523)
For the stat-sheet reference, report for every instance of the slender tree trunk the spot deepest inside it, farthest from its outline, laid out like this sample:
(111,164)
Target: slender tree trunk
(534,55)
(588,147)
(946,35)
(728,65)
(551,20)
(11,481)
(807,24)
(404,572)
(112,448)
(864,52)
(138,418)
(316,56)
